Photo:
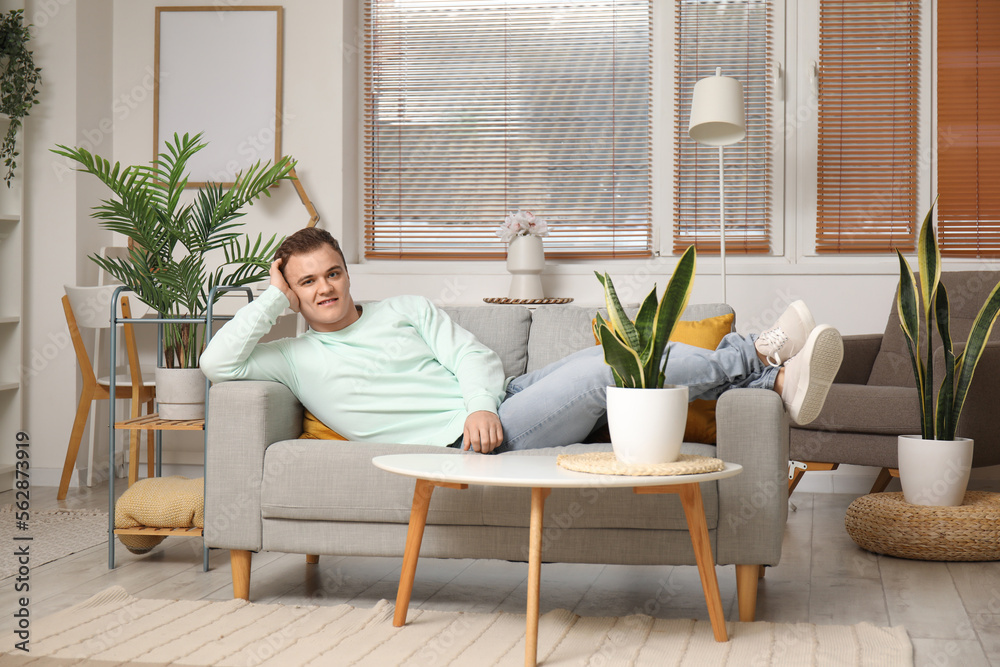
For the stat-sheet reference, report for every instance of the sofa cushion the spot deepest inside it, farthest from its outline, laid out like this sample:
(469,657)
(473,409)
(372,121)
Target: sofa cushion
(859,408)
(967,292)
(503,329)
(336,481)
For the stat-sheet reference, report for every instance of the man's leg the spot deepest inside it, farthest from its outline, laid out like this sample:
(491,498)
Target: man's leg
(563,402)
(556,405)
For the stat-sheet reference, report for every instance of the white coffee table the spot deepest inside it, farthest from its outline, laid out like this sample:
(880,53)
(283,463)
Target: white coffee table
(542,474)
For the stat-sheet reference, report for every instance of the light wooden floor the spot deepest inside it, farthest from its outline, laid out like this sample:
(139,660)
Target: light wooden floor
(951,610)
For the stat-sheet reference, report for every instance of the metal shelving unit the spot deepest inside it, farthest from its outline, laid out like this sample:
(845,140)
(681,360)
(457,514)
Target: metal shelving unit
(153,421)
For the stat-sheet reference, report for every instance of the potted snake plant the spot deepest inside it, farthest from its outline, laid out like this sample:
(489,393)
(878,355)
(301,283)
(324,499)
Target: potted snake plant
(934,467)
(170,244)
(646,418)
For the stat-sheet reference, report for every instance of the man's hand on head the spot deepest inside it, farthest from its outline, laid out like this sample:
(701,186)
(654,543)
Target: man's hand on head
(278,280)
(483,432)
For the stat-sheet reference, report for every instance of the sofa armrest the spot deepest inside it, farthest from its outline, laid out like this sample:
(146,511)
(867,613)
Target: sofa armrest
(244,418)
(752,430)
(859,357)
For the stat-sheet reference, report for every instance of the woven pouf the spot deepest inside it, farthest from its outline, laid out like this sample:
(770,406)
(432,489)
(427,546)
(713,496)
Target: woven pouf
(884,523)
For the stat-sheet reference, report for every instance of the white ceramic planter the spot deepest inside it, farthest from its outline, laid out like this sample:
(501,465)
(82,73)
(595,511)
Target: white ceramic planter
(647,425)
(934,472)
(180,393)
(525,263)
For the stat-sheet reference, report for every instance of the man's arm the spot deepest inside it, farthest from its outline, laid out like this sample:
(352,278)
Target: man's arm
(479,372)
(234,352)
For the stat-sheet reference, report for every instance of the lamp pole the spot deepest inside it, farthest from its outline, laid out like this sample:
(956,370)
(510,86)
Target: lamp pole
(722,223)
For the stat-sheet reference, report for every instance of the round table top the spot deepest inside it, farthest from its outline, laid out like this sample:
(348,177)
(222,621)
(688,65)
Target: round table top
(525,471)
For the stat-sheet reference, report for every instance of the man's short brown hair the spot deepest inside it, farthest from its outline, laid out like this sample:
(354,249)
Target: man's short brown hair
(306,240)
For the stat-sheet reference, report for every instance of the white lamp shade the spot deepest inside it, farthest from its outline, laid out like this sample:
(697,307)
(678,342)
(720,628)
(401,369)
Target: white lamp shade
(717,114)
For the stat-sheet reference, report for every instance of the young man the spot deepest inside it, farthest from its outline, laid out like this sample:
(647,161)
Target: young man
(399,370)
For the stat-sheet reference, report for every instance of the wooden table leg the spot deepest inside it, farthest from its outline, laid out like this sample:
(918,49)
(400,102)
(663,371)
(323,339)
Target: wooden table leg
(694,511)
(414,535)
(538,497)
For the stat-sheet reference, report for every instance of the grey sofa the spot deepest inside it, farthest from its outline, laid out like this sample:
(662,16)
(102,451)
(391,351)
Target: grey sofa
(269,491)
(874,397)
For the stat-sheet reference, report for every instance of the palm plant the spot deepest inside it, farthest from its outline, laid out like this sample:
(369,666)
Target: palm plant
(169,241)
(938,421)
(634,349)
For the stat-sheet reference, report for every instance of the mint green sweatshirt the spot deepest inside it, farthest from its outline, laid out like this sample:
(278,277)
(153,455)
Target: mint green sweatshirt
(403,373)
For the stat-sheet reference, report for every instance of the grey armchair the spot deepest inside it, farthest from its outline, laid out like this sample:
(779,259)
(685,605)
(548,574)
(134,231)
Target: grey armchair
(874,397)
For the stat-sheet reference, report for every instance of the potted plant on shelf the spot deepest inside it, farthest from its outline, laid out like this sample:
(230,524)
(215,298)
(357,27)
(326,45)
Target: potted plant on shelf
(645,417)
(170,243)
(934,467)
(19,80)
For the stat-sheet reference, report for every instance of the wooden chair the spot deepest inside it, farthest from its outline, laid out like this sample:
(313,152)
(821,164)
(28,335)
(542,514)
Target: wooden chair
(88,307)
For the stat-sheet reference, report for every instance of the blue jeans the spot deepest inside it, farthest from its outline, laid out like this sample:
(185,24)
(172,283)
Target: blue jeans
(563,402)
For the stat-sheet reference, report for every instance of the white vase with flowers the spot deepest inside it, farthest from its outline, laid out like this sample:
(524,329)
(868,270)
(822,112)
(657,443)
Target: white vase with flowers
(522,232)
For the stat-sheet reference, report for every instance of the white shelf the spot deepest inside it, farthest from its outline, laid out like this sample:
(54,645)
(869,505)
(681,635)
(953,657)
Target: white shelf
(10,217)
(13,319)
(9,386)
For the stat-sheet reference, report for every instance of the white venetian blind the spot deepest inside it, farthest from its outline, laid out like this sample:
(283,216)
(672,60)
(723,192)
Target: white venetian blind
(868,102)
(475,108)
(735,35)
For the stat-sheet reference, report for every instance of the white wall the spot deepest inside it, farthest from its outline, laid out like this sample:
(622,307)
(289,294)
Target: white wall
(98,88)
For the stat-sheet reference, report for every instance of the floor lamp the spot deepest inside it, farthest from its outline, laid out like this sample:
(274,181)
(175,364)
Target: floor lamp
(718,119)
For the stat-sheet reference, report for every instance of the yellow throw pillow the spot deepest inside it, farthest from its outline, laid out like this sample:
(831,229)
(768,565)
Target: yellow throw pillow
(706,333)
(314,429)
(159,502)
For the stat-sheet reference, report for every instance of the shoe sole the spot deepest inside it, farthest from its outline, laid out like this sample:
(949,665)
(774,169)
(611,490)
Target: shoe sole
(824,351)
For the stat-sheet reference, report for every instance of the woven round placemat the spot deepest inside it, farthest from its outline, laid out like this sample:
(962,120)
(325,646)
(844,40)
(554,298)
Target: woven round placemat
(526,302)
(605,463)
(886,524)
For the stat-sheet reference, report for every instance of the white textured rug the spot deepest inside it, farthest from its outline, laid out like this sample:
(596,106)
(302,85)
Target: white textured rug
(54,534)
(115,628)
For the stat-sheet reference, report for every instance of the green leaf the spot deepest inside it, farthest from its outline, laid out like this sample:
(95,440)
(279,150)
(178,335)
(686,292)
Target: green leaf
(620,323)
(944,423)
(672,305)
(982,326)
(909,322)
(622,359)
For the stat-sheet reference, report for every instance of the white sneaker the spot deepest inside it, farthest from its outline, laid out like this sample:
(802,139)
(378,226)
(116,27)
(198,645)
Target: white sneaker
(809,374)
(785,339)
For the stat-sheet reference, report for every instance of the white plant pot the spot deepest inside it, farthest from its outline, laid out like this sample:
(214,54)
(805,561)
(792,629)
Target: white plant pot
(934,472)
(180,393)
(647,425)
(525,263)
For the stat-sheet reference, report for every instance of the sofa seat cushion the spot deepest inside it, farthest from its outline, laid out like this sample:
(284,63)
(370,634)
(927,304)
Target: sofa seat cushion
(859,408)
(329,480)
(336,481)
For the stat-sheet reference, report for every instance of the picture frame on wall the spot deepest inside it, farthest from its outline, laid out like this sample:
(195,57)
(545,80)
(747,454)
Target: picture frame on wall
(218,70)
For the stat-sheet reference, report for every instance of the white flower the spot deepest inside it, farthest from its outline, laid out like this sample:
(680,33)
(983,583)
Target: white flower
(522,223)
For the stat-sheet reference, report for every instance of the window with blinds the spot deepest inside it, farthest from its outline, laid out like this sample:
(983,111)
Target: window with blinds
(735,35)
(868,122)
(968,109)
(475,108)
